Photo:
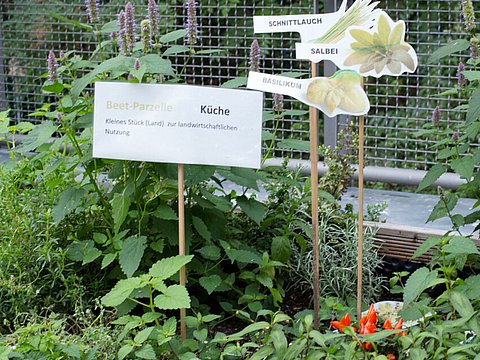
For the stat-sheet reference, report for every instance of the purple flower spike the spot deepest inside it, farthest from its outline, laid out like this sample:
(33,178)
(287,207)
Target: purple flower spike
(436,116)
(153,18)
(122,32)
(278,102)
(93,11)
(254,56)
(455,136)
(461,78)
(191,23)
(52,66)
(137,65)
(129,27)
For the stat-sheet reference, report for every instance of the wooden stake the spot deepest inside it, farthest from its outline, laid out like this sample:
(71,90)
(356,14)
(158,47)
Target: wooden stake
(314,181)
(361,125)
(181,242)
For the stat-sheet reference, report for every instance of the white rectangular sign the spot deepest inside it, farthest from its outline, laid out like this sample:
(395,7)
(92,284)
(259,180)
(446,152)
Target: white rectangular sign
(177,124)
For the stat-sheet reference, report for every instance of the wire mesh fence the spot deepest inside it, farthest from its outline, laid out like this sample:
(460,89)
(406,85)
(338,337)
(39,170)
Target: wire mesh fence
(399,105)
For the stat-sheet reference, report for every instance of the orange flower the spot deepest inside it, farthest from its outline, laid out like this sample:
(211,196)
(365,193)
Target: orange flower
(398,326)
(339,325)
(387,325)
(391,357)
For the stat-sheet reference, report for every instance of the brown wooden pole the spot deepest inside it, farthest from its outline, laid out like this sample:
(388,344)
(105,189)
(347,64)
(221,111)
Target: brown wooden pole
(314,181)
(361,125)
(181,242)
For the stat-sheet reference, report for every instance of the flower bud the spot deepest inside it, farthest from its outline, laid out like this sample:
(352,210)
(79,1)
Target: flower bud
(436,116)
(52,66)
(461,81)
(146,35)
(254,56)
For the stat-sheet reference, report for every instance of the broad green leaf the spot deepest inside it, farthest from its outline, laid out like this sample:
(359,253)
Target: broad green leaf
(84,251)
(324,195)
(267,136)
(431,176)
(443,207)
(461,245)
(235,83)
(69,200)
(117,63)
(175,297)
(471,287)
(151,317)
(121,291)
(37,137)
(264,279)
(108,259)
(176,49)
(461,304)
(279,340)
(210,252)
(197,174)
(209,51)
(201,228)
(200,335)
(66,20)
(281,249)
(90,255)
(120,205)
(473,112)
(143,335)
(155,64)
(172,36)
(132,253)
(139,73)
(55,88)
(294,144)
(165,212)
(419,281)
(426,246)
(146,352)
(210,317)
(254,209)
(110,27)
(464,167)
(124,351)
(220,202)
(71,350)
(241,176)
(167,267)
(210,283)
(471,75)
(244,256)
(451,48)
(295,112)
(256,326)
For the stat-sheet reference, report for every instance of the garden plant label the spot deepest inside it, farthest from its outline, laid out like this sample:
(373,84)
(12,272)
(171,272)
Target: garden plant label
(177,124)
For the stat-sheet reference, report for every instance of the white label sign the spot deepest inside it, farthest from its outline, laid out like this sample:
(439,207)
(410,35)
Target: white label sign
(177,124)
(341,93)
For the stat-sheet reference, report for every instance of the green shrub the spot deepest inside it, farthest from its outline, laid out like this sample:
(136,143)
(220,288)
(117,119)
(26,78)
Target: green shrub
(35,275)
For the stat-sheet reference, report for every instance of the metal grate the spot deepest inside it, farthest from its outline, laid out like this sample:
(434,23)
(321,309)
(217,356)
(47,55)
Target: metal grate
(400,106)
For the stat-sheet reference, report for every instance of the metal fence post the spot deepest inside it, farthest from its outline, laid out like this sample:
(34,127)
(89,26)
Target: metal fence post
(330,124)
